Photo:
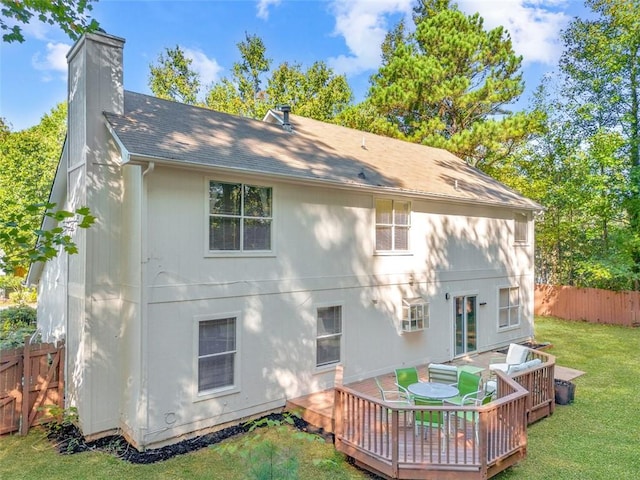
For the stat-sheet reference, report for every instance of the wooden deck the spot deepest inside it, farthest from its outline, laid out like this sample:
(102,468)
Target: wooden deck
(470,442)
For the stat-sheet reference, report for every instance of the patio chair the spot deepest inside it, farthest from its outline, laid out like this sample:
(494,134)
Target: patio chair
(469,388)
(516,355)
(434,421)
(405,377)
(393,396)
(441,373)
(470,417)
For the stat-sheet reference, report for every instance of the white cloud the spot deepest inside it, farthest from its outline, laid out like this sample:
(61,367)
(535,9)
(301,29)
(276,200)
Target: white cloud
(55,60)
(534,25)
(263,8)
(363,24)
(208,68)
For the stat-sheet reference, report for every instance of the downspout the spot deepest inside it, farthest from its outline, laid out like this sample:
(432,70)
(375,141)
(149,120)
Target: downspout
(144,357)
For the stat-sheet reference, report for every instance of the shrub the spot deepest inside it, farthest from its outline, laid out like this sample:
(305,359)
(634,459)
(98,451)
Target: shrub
(15,317)
(15,338)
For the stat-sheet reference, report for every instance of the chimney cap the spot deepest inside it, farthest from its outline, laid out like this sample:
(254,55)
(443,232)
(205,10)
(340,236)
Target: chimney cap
(284,108)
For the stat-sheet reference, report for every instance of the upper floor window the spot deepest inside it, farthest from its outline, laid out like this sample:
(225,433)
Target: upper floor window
(329,335)
(392,225)
(216,354)
(509,307)
(240,217)
(520,228)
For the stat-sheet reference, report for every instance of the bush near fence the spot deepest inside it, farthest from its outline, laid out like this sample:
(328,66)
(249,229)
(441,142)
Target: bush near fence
(588,304)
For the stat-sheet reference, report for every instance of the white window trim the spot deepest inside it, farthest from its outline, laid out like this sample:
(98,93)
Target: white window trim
(500,308)
(393,252)
(519,216)
(328,366)
(426,319)
(238,253)
(218,392)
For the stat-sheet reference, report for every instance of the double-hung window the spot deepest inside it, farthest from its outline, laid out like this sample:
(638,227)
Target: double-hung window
(240,217)
(520,228)
(216,354)
(329,335)
(509,307)
(393,219)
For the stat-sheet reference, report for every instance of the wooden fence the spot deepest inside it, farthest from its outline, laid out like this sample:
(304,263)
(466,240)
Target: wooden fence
(590,304)
(30,379)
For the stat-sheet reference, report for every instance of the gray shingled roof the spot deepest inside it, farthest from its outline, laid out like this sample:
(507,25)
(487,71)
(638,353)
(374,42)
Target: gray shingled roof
(315,151)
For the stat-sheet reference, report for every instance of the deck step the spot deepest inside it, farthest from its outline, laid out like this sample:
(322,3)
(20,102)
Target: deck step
(316,409)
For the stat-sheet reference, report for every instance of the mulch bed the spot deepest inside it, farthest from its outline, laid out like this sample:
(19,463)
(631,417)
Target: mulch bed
(69,440)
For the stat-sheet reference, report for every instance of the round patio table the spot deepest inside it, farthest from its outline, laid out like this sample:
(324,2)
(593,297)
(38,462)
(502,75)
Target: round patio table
(433,390)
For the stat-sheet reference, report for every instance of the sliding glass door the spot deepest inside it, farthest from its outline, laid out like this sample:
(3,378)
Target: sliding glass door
(465,324)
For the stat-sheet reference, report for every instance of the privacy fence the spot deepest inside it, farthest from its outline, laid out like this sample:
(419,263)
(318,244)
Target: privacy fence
(588,304)
(31,379)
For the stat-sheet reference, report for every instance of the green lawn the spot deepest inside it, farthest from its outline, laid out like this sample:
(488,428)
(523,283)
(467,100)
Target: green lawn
(597,437)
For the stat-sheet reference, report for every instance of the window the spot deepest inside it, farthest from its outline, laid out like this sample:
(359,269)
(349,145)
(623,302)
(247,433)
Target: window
(509,307)
(216,354)
(392,225)
(415,314)
(240,217)
(329,335)
(520,228)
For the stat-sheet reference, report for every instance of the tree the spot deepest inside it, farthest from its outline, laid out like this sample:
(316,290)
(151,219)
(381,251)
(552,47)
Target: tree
(173,79)
(447,85)
(581,238)
(69,15)
(28,161)
(601,63)
(21,241)
(316,93)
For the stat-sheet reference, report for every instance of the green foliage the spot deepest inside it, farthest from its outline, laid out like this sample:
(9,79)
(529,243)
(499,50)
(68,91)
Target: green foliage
(447,85)
(15,338)
(172,78)
(69,15)
(266,459)
(61,417)
(316,92)
(22,245)
(23,295)
(583,166)
(14,317)
(15,324)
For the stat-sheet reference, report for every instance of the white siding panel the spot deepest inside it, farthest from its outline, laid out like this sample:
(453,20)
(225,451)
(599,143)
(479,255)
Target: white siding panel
(323,255)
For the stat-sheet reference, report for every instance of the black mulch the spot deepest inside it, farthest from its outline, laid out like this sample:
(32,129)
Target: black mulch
(68,440)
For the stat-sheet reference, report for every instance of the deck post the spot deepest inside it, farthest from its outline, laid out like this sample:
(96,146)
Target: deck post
(395,447)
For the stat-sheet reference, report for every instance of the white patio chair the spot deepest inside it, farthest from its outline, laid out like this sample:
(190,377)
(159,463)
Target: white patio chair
(441,373)
(516,355)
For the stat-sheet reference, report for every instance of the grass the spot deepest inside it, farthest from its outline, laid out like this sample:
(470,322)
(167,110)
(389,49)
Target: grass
(596,437)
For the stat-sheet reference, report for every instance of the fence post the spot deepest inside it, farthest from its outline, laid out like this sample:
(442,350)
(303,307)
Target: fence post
(26,387)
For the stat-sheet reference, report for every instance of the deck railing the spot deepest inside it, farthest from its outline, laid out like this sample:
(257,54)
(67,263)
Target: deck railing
(539,382)
(466,442)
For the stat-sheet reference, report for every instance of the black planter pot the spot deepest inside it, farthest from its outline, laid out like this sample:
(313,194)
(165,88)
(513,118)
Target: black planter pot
(565,392)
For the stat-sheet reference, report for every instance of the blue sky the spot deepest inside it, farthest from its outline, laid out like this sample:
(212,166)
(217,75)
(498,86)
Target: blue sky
(344,33)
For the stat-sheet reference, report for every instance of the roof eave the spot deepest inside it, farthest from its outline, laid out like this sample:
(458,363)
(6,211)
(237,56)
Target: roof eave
(141,159)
